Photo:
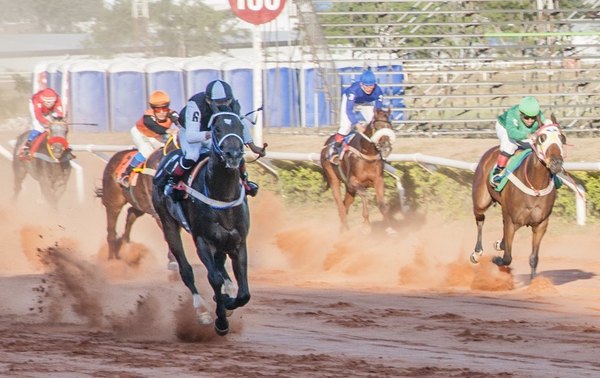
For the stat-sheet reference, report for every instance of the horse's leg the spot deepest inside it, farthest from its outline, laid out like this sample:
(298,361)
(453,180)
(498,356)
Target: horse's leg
(538,234)
(365,211)
(171,231)
(335,185)
(132,215)
(482,200)
(380,199)
(239,263)
(20,172)
(507,239)
(172,265)
(114,244)
(216,280)
(348,201)
(229,287)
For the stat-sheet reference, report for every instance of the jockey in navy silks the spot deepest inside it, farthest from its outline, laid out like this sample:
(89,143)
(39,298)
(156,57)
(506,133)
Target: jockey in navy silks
(196,139)
(358,102)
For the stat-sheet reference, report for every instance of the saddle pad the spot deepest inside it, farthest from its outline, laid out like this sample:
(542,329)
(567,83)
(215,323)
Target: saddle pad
(515,162)
(37,142)
(125,161)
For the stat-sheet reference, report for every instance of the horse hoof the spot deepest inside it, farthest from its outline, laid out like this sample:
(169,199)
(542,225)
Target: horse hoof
(204,318)
(390,231)
(498,261)
(498,245)
(223,328)
(475,256)
(228,313)
(172,265)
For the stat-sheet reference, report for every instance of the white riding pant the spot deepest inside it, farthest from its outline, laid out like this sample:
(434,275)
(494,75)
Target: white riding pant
(507,145)
(366,110)
(145,144)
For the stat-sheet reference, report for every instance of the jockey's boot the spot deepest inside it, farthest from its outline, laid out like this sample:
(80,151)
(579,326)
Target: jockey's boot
(124,179)
(176,173)
(498,173)
(26,150)
(250,187)
(335,149)
(496,176)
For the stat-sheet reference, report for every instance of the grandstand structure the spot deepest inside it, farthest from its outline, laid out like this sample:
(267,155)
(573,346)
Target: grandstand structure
(463,62)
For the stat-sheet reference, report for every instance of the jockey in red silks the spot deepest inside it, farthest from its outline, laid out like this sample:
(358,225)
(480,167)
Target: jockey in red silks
(45,107)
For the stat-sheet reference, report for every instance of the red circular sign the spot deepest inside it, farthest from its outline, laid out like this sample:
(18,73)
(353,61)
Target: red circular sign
(257,11)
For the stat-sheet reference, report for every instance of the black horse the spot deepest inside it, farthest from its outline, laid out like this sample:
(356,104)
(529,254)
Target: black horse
(49,162)
(216,214)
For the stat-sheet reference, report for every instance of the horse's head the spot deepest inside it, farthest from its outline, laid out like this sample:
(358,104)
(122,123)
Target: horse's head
(548,146)
(380,131)
(227,138)
(57,139)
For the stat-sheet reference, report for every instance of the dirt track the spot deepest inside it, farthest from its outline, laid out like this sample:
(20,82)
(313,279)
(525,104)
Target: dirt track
(323,304)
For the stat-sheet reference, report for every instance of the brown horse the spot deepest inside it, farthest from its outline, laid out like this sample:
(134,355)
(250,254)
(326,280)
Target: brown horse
(49,164)
(361,166)
(138,195)
(526,200)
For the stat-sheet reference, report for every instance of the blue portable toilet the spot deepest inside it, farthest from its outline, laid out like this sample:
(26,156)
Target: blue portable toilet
(87,95)
(126,93)
(54,76)
(166,75)
(282,107)
(239,74)
(314,108)
(198,72)
(40,77)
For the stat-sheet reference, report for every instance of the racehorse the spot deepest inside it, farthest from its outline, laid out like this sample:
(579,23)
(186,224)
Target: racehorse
(49,162)
(138,194)
(361,167)
(217,217)
(528,197)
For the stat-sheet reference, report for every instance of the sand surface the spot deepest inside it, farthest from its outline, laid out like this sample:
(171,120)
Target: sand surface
(323,303)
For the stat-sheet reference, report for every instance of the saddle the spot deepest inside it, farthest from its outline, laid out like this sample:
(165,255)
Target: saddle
(35,146)
(123,164)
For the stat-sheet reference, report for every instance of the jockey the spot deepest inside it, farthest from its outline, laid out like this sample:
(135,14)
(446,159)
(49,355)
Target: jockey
(45,107)
(358,102)
(152,130)
(196,141)
(514,128)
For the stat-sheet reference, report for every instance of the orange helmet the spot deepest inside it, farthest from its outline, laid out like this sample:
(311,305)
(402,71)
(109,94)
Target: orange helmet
(159,99)
(48,97)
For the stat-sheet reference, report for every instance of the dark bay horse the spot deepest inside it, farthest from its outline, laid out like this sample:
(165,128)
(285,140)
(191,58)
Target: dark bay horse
(526,200)
(217,217)
(138,194)
(361,167)
(49,163)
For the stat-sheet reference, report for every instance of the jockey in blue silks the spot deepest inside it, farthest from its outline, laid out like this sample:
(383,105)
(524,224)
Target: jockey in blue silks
(358,102)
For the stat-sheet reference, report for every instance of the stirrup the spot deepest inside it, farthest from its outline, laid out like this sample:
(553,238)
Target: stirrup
(496,180)
(124,180)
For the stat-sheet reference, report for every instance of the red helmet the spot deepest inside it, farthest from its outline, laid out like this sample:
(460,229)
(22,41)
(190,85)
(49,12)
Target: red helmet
(48,97)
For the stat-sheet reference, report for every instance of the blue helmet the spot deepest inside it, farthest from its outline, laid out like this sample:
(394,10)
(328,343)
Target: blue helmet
(367,77)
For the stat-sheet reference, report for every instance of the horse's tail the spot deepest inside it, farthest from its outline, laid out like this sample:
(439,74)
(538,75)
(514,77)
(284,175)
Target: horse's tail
(98,192)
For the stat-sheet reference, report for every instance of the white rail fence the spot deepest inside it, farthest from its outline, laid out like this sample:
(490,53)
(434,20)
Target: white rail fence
(315,158)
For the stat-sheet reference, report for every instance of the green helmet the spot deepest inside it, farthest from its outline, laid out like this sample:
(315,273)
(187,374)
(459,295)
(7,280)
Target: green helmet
(529,106)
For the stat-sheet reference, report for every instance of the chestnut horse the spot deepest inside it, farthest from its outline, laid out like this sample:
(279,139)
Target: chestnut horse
(138,195)
(361,166)
(50,163)
(528,197)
